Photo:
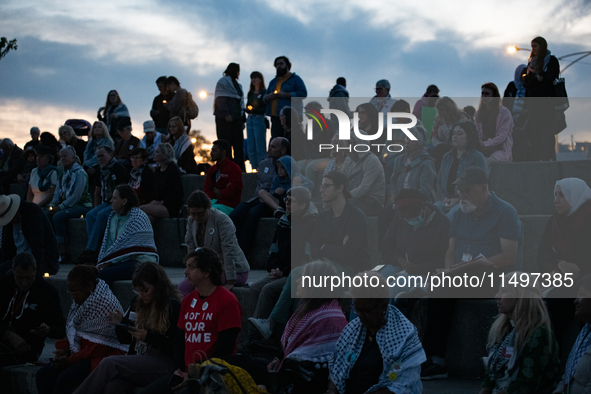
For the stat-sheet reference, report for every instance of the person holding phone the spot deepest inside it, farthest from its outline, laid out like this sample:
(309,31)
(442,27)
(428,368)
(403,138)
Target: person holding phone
(150,328)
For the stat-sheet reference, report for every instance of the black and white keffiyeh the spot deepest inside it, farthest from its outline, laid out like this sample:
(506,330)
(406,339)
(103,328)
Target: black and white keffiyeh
(91,319)
(500,366)
(136,238)
(399,345)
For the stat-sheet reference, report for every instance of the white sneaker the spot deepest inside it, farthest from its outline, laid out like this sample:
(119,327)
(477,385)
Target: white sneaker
(262,325)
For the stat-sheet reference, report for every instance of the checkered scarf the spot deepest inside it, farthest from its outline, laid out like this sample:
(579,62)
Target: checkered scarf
(398,342)
(137,237)
(499,365)
(91,319)
(582,344)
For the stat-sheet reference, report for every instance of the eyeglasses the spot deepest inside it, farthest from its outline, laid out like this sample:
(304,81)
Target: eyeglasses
(139,292)
(197,214)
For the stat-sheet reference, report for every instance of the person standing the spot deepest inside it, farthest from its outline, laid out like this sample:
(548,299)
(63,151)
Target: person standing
(285,86)
(35,132)
(111,112)
(543,68)
(338,98)
(159,112)
(256,128)
(228,109)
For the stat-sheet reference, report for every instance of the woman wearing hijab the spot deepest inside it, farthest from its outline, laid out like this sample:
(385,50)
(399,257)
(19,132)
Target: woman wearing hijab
(542,70)
(523,355)
(565,248)
(495,126)
(228,109)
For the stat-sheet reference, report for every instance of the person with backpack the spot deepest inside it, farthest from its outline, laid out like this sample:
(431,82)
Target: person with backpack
(228,109)
(182,103)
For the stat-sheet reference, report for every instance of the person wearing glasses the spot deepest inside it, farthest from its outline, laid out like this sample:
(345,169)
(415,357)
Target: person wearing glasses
(141,177)
(150,328)
(209,227)
(89,335)
(485,231)
(32,311)
(382,101)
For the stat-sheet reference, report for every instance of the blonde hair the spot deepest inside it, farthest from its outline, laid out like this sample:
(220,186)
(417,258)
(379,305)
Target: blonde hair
(529,313)
(104,128)
(68,130)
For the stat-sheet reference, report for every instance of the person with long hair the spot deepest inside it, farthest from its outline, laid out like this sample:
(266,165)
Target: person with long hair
(111,112)
(97,137)
(169,186)
(69,137)
(495,126)
(50,141)
(542,69)
(448,114)
(183,147)
(523,355)
(150,328)
(71,198)
(465,152)
(228,110)
(256,128)
(210,316)
(128,238)
(564,247)
(89,335)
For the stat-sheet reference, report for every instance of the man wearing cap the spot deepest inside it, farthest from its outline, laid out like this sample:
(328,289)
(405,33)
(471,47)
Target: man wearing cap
(483,229)
(127,143)
(25,228)
(152,138)
(30,311)
(341,231)
(35,132)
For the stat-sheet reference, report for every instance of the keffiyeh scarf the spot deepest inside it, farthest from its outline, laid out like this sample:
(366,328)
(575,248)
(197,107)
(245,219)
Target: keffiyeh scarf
(181,145)
(313,337)
(135,176)
(91,319)
(151,148)
(225,88)
(398,342)
(136,238)
(582,344)
(499,365)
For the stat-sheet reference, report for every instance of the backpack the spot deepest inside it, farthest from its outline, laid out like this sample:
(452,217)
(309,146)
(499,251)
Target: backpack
(191,108)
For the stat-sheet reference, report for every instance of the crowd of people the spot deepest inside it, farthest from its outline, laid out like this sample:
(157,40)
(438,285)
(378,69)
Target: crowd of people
(435,213)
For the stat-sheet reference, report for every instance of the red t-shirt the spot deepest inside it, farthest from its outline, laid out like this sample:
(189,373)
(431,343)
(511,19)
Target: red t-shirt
(203,318)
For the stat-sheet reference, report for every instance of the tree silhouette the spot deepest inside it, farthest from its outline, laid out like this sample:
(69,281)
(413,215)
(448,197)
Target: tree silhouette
(198,146)
(6,46)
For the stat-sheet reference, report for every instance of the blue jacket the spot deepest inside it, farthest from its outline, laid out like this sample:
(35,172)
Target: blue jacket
(293,85)
(469,158)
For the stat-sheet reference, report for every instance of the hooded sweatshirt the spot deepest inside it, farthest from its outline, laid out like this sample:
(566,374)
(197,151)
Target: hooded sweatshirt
(293,170)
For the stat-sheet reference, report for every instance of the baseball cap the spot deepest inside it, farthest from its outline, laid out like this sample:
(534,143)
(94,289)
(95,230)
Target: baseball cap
(471,176)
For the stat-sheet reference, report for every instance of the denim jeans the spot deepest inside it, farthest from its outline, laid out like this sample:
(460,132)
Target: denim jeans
(96,223)
(60,220)
(246,218)
(256,135)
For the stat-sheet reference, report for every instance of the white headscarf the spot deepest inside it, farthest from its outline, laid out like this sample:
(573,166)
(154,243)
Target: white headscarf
(576,192)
